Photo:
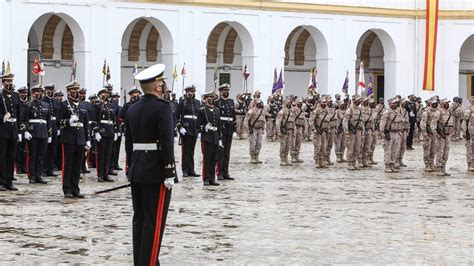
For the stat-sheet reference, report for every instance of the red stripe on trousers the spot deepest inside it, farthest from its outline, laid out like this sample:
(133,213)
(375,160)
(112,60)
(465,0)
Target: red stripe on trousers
(64,163)
(28,159)
(159,218)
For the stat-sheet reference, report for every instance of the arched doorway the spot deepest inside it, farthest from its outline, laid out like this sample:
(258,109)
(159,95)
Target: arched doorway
(229,50)
(305,48)
(466,68)
(145,42)
(58,41)
(377,50)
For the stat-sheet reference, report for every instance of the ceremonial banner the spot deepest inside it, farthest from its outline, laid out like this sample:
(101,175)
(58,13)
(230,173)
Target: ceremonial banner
(370,85)
(279,84)
(345,86)
(361,86)
(430,44)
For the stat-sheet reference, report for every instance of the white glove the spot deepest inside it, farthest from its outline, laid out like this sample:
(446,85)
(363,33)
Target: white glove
(169,183)
(199,136)
(73,119)
(115,136)
(234,135)
(175,139)
(182,131)
(28,135)
(412,114)
(88,145)
(220,144)
(207,127)
(119,134)
(98,137)
(50,140)
(59,133)
(6,117)
(20,137)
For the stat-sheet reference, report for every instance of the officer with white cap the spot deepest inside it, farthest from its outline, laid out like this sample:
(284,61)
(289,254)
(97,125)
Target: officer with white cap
(149,139)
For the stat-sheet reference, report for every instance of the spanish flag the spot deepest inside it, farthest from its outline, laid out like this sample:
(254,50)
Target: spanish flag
(430,44)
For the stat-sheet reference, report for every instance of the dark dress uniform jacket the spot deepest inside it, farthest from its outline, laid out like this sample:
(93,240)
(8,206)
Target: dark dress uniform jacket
(89,109)
(9,130)
(188,107)
(149,121)
(39,110)
(53,109)
(75,135)
(227,114)
(105,112)
(206,116)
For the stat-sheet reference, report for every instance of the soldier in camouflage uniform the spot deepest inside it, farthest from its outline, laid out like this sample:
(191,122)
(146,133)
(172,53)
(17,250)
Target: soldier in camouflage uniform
(240,111)
(340,140)
(255,123)
(467,131)
(457,112)
(375,136)
(367,137)
(419,112)
(300,127)
(271,111)
(444,124)
(379,109)
(353,129)
(318,122)
(405,127)
(427,132)
(332,124)
(390,132)
(285,127)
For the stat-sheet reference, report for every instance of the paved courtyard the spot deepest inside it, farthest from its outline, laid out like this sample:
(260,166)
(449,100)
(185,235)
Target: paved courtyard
(268,215)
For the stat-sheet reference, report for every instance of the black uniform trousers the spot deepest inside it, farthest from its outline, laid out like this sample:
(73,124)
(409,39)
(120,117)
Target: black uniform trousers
(224,156)
(188,145)
(71,168)
(103,155)
(209,160)
(21,157)
(58,157)
(115,154)
(7,160)
(36,154)
(91,154)
(50,156)
(150,209)
(410,135)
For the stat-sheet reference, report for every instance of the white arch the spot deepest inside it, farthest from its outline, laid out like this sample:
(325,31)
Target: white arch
(390,60)
(466,67)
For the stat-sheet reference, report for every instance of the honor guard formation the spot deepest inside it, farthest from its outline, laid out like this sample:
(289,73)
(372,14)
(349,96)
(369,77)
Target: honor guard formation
(40,133)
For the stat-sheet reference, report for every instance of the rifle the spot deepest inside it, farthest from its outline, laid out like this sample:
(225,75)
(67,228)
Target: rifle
(253,124)
(318,127)
(441,129)
(377,119)
(353,128)
(368,119)
(386,131)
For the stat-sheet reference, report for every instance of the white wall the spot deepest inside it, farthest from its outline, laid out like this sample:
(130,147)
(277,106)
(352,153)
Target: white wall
(184,31)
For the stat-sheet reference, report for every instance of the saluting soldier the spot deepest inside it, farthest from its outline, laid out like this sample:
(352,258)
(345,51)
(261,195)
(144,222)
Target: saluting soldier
(186,115)
(444,124)
(467,132)
(379,109)
(134,95)
(340,140)
(58,157)
(429,140)
(209,124)
(149,145)
(38,134)
(317,121)
(271,111)
(332,124)
(20,160)
(299,132)
(390,128)
(227,116)
(405,127)
(255,121)
(367,137)
(308,110)
(74,123)
(458,112)
(10,113)
(52,147)
(240,112)
(353,128)
(119,128)
(104,133)
(89,107)
(285,125)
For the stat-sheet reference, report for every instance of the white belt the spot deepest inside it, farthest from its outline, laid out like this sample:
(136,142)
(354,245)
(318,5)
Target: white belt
(90,122)
(227,118)
(53,118)
(11,120)
(40,121)
(212,128)
(78,124)
(190,117)
(145,147)
(107,122)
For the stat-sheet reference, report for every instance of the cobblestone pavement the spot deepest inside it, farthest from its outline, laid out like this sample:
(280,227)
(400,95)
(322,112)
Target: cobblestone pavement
(269,215)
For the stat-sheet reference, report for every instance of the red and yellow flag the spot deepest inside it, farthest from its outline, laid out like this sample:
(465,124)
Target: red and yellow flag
(430,44)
